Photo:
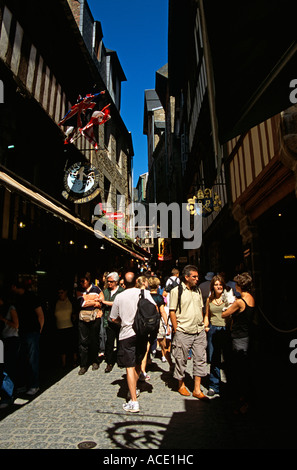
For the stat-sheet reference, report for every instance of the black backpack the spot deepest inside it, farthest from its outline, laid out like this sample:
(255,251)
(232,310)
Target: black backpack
(173,284)
(147,318)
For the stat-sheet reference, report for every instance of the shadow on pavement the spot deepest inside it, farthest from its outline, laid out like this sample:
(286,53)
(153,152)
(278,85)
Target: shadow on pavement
(48,377)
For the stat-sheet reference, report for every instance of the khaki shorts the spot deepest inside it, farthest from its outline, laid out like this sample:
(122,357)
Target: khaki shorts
(181,344)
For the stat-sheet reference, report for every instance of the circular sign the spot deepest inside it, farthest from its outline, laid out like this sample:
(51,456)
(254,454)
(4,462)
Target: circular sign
(81,180)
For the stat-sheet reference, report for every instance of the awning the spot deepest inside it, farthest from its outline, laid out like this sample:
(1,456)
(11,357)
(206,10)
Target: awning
(45,203)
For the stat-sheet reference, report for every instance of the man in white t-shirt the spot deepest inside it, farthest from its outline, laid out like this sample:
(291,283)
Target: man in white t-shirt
(171,282)
(131,349)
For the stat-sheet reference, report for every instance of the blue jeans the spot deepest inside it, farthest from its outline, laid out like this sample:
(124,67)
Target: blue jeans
(218,344)
(29,351)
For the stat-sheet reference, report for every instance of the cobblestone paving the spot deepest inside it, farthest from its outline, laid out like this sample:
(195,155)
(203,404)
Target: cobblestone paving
(87,410)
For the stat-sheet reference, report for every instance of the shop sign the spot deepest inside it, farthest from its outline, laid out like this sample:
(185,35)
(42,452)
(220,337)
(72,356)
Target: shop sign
(114,215)
(206,201)
(164,249)
(81,183)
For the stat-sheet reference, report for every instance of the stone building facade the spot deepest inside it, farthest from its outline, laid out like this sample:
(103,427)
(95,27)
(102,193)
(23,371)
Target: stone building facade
(240,144)
(46,62)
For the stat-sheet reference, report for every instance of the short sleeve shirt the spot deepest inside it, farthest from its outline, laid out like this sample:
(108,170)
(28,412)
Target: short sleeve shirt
(124,307)
(189,317)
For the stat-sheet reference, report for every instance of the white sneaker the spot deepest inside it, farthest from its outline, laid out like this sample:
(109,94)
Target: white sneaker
(144,377)
(137,394)
(132,406)
(33,391)
(20,401)
(163,359)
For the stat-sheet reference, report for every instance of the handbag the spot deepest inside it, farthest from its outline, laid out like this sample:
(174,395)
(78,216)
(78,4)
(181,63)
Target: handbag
(88,315)
(7,385)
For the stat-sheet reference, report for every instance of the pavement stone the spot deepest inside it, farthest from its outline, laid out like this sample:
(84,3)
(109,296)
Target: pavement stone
(76,410)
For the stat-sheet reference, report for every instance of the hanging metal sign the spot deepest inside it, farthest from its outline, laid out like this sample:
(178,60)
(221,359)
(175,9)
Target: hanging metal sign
(81,182)
(206,201)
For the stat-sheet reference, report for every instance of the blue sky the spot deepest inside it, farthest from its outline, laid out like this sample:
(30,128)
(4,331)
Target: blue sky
(137,31)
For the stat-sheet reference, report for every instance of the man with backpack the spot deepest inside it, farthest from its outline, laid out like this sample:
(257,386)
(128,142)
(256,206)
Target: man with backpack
(185,309)
(171,282)
(132,346)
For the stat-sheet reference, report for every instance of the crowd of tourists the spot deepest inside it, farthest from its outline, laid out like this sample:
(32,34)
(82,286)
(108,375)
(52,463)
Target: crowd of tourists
(206,320)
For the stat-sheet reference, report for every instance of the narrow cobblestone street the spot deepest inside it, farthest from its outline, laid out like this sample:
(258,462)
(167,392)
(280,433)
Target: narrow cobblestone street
(86,411)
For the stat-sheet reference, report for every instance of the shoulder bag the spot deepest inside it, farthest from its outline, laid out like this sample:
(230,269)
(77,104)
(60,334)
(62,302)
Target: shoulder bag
(88,315)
